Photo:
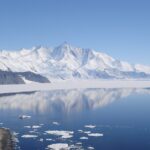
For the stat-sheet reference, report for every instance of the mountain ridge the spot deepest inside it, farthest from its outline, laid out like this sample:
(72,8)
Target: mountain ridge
(68,62)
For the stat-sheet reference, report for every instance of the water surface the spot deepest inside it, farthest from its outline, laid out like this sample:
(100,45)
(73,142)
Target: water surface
(106,119)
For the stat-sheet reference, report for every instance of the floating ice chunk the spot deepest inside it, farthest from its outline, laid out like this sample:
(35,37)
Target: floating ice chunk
(33,132)
(87,132)
(15,133)
(27,127)
(79,143)
(95,134)
(80,131)
(71,147)
(41,124)
(41,139)
(24,117)
(90,148)
(58,146)
(49,139)
(83,138)
(90,126)
(36,126)
(63,134)
(29,136)
(56,123)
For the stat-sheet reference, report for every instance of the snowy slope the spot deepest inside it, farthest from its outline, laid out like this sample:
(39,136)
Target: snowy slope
(66,62)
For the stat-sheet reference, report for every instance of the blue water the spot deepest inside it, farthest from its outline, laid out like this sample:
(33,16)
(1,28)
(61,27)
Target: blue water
(121,115)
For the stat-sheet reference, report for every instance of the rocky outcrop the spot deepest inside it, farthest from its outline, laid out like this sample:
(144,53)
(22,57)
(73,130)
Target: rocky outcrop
(6,142)
(9,77)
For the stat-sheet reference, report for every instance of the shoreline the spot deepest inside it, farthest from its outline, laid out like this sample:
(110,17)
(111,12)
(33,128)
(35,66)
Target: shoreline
(73,84)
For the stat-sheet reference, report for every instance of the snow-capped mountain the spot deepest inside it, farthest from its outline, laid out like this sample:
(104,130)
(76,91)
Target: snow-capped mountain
(66,62)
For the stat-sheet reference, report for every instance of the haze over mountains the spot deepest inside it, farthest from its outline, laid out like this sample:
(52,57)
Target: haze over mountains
(69,62)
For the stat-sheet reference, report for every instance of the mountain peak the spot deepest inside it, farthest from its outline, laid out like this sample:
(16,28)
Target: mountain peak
(67,61)
(65,45)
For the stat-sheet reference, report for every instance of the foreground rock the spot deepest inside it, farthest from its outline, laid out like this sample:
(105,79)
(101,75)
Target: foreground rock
(6,142)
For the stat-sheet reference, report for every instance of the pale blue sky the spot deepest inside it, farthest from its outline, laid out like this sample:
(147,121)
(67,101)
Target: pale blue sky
(120,28)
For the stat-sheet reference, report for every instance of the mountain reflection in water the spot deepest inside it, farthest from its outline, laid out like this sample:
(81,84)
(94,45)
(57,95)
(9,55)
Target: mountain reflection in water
(65,100)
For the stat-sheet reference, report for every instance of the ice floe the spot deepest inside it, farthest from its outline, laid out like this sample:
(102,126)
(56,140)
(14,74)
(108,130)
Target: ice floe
(63,134)
(87,132)
(36,126)
(83,138)
(24,117)
(90,148)
(49,139)
(79,143)
(27,127)
(41,139)
(95,134)
(81,131)
(58,146)
(56,123)
(41,124)
(29,136)
(90,126)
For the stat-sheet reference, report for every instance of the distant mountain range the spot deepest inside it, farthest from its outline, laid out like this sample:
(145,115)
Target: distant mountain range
(68,62)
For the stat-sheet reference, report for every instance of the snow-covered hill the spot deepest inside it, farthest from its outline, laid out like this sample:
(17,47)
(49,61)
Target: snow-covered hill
(67,62)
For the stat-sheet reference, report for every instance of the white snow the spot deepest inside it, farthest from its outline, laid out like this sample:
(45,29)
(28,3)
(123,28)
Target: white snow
(63,134)
(141,68)
(27,81)
(64,62)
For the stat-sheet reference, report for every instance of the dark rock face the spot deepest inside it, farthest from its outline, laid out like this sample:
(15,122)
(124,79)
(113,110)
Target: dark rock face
(34,77)
(8,77)
(6,142)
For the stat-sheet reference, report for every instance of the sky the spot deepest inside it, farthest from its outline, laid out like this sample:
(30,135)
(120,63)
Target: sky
(120,28)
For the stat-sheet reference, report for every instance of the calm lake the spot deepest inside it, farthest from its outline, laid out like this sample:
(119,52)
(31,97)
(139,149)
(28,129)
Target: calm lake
(101,119)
